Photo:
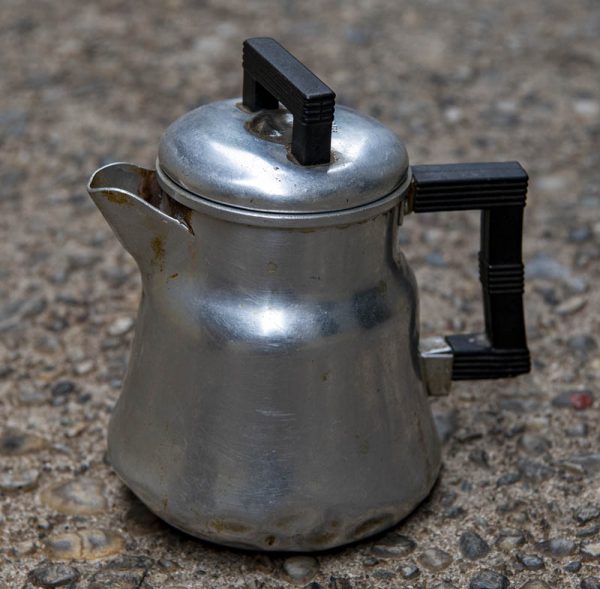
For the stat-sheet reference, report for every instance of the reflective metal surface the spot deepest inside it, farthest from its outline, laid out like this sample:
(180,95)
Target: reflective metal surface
(275,395)
(225,154)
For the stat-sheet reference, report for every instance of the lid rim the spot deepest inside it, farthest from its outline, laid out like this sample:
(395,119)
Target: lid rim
(317,219)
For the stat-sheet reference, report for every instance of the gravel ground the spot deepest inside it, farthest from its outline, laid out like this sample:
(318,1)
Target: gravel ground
(87,83)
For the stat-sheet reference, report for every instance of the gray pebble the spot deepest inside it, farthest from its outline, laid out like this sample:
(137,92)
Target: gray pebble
(579,430)
(54,575)
(479,457)
(82,496)
(63,388)
(534,471)
(473,546)
(300,568)
(580,234)
(587,513)
(531,562)
(545,267)
(535,584)
(444,585)
(589,531)
(488,579)
(394,546)
(435,559)
(589,462)
(510,538)
(590,583)
(533,444)
(117,580)
(510,478)
(590,550)
(25,480)
(557,547)
(573,567)
(409,571)
(582,344)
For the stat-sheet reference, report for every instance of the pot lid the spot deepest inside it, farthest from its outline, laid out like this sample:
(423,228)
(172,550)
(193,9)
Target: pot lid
(253,154)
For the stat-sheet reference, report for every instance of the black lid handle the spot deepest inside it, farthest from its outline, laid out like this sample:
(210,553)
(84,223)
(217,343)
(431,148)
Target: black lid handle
(273,75)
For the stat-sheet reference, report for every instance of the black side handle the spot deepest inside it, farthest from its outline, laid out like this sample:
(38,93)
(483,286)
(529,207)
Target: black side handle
(273,75)
(499,190)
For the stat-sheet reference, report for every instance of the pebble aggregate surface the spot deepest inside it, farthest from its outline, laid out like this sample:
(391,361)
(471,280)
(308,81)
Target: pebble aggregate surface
(517,504)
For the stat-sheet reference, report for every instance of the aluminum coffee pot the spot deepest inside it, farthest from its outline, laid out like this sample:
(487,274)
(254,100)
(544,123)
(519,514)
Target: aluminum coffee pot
(277,390)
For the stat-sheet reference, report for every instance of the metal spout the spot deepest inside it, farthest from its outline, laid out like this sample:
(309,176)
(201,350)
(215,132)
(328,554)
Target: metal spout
(147,222)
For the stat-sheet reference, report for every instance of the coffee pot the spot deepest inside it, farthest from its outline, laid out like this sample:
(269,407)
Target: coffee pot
(277,390)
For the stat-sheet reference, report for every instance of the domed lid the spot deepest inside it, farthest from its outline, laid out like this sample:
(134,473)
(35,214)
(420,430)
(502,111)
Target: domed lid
(253,155)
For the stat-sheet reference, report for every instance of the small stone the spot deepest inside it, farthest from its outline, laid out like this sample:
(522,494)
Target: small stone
(444,585)
(479,457)
(14,442)
(54,575)
(579,430)
(573,567)
(301,568)
(590,550)
(572,305)
(533,444)
(89,544)
(83,496)
(63,388)
(120,326)
(590,583)
(435,559)
(557,547)
(582,344)
(531,562)
(409,571)
(117,580)
(510,538)
(535,584)
(487,579)
(473,546)
(510,478)
(24,548)
(589,531)
(13,482)
(545,267)
(534,471)
(394,546)
(589,462)
(580,234)
(586,107)
(587,513)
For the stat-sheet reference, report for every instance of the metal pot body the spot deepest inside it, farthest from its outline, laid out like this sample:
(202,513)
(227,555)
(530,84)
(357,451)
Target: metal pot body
(274,397)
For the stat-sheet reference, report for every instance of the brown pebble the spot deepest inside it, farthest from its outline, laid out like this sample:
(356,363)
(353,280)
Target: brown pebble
(90,544)
(83,496)
(14,442)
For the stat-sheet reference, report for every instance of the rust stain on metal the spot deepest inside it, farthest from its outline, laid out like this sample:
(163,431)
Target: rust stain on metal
(158,249)
(117,197)
(370,526)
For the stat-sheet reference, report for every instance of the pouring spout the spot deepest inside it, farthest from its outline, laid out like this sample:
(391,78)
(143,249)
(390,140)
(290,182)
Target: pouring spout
(146,221)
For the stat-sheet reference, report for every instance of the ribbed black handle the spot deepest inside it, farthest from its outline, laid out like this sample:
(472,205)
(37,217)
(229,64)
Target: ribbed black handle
(273,75)
(499,190)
